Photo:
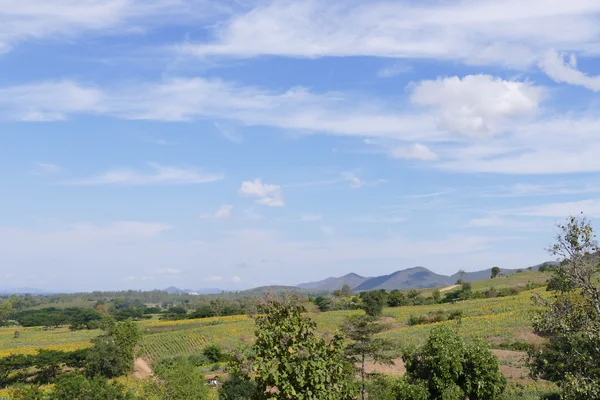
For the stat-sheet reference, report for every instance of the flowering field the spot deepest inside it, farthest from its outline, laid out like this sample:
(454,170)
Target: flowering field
(31,339)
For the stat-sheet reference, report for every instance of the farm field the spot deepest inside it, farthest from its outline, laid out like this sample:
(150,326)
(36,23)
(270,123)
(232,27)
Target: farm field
(501,321)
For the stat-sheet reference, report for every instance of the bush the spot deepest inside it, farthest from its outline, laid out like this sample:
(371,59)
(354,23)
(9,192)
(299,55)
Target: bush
(237,388)
(179,380)
(452,369)
(79,387)
(213,353)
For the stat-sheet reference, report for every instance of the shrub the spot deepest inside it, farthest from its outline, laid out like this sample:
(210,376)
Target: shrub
(452,369)
(213,353)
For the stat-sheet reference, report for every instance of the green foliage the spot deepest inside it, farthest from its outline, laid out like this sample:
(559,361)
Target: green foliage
(361,330)
(113,352)
(571,317)
(79,387)
(5,310)
(213,353)
(237,388)
(178,380)
(388,388)
(40,367)
(373,302)
(324,303)
(78,318)
(495,272)
(289,356)
(453,369)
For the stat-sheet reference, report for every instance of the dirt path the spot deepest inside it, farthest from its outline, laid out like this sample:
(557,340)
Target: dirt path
(448,288)
(141,369)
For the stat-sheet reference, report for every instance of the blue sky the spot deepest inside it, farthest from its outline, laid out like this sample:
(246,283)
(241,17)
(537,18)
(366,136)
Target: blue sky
(203,143)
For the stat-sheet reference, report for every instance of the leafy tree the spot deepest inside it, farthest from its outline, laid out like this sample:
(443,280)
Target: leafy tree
(113,352)
(288,360)
(571,317)
(79,387)
(373,302)
(324,303)
(396,299)
(346,290)
(436,295)
(213,353)
(237,388)
(361,330)
(495,272)
(452,369)
(5,310)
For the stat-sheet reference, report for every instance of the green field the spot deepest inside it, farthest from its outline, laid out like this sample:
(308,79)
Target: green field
(502,321)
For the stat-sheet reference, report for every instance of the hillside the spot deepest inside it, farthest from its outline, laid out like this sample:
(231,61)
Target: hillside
(353,280)
(411,278)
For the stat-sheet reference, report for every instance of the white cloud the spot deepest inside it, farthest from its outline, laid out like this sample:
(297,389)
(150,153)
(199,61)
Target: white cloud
(393,70)
(477,105)
(563,70)
(170,271)
(46,168)
(182,99)
(129,278)
(236,279)
(48,101)
(509,32)
(161,175)
(224,211)
(590,207)
(416,151)
(357,183)
(213,278)
(267,194)
(36,20)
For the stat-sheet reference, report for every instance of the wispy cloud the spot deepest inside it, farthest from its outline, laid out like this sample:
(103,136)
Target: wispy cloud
(213,278)
(169,271)
(590,207)
(393,70)
(267,194)
(37,20)
(46,169)
(224,211)
(563,69)
(228,132)
(357,183)
(160,175)
(470,31)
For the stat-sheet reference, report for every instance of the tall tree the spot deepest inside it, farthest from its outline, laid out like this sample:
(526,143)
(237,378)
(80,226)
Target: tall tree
(288,360)
(5,310)
(361,330)
(495,272)
(373,302)
(572,315)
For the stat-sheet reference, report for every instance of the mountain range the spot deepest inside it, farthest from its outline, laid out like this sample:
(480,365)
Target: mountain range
(175,290)
(411,278)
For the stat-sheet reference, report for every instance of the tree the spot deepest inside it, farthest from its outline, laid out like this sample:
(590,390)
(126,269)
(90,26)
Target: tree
(436,295)
(324,303)
(346,290)
(454,370)
(77,386)
(288,359)
(373,302)
(361,330)
(5,310)
(495,272)
(571,317)
(113,352)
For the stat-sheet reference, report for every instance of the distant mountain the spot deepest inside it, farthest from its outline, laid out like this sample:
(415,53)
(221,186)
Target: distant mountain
(412,278)
(176,290)
(353,280)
